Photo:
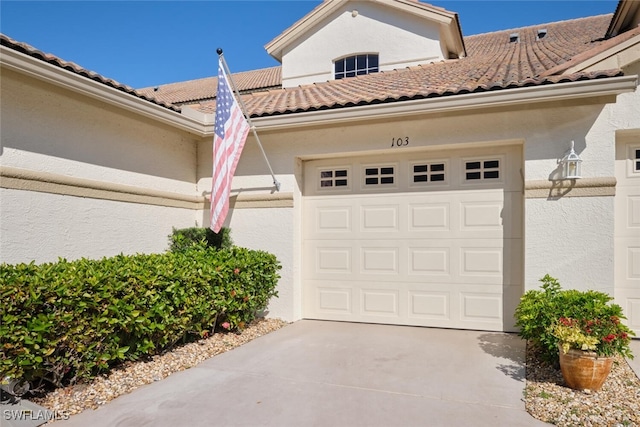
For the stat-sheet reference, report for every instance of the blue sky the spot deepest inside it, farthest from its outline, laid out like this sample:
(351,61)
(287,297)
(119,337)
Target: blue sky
(148,43)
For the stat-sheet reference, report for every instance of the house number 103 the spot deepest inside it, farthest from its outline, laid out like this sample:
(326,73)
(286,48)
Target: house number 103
(400,142)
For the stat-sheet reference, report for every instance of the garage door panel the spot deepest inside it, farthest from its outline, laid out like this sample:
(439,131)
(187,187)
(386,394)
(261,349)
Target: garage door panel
(380,302)
(329,220)
(334,300)
(633,211)
(429,305)
(476,307)
(375,258)
(429,261)
(330,258)
(428,217)
(334,260)
(376,218)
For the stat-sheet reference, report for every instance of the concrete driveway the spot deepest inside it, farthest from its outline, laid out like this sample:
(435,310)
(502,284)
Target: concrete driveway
(314,373)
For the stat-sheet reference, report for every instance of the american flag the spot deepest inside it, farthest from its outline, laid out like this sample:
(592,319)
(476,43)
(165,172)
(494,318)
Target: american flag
(231,130)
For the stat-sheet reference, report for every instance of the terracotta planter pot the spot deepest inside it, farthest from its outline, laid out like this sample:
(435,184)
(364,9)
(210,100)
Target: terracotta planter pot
(584,369)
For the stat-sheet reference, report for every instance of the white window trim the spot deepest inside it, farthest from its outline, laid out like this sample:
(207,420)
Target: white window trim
(429,184)
(334,188)
(482,181)
(379,186)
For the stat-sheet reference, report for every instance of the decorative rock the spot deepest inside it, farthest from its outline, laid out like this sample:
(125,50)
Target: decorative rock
(547,399)
(131,375)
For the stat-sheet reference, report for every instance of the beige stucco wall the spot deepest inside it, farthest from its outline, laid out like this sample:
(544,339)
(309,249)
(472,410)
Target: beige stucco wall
(65,140)
(400,39)
(568,237)
(572,238)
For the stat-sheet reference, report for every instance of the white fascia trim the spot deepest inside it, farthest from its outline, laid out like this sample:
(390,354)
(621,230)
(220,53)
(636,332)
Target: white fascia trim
(605,55)
(472,101)
(277,45)
(83,85)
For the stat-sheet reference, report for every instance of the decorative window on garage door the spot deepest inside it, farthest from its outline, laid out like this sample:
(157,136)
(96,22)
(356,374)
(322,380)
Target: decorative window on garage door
(379,176)
(636,159)
(428,173)
(482,169)
(335,178)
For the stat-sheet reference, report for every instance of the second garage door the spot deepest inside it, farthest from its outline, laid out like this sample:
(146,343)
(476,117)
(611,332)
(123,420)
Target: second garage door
(421,238)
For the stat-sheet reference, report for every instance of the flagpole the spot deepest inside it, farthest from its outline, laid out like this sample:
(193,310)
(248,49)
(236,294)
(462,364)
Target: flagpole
(244,111)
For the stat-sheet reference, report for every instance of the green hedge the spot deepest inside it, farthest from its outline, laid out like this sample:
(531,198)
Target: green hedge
(184,238)
(75,319)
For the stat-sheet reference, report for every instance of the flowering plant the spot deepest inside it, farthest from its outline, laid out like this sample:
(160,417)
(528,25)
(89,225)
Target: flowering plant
(606,336)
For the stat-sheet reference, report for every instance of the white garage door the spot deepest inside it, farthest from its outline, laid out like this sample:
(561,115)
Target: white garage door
(421,238)
(627,229)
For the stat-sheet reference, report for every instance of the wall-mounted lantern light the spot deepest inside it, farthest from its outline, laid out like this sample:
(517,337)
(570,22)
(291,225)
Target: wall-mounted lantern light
(571,167)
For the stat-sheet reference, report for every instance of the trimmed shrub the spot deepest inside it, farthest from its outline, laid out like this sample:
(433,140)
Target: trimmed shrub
(68,320)
(540,309)
(184,238)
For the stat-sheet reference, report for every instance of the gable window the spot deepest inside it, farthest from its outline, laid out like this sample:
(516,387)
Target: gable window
(356,65)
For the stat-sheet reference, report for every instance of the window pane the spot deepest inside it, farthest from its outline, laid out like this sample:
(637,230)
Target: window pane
(373,61)
(341,173)
(386,171)
(340,66)
(350,63)
(361,62)
(326,174)
(491,164)
(341,182)
(361,72)
(437,177)
(420,178)
(439,167)
(473,165)
(420,168)
(327,183)
(371,181)
(491,174)
(386,180)
(350,74)
(371,171)
(473,175)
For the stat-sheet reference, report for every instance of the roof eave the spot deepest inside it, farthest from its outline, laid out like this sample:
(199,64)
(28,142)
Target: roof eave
(443,17)
(276,46)
(61,77)
(586,89)
(591,63)
(624,11)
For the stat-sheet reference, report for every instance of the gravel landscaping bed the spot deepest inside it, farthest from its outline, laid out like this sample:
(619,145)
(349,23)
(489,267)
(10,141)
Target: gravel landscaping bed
(131,375)
(617,403)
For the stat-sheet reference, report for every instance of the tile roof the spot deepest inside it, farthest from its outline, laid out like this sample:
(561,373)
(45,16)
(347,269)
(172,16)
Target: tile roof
(492,63)
(75,68)
(202,89)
